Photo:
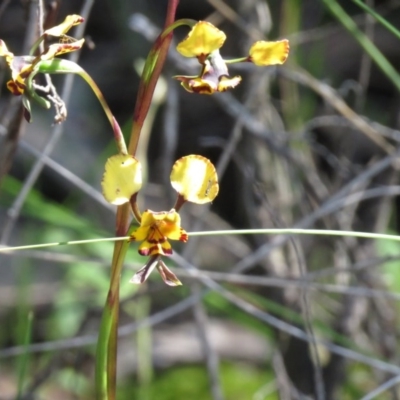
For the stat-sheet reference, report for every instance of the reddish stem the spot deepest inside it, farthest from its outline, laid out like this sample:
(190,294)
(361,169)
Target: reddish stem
(146,89)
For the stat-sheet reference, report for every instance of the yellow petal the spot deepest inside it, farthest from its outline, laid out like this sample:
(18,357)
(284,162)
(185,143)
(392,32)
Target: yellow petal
(269,53)
(122,178)
(197,85)
(172,227)
(228,83)
(148,218)
(65,26)
(203,39)
(194,177)
(147,248)
(140,233)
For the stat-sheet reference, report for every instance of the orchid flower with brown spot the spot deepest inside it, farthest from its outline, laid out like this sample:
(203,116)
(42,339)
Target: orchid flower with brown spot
(193,177)
(204,41)
(24,68)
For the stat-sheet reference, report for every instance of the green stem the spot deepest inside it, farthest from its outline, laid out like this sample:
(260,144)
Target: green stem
(25,356)
(379,18)
(286,231)
(364,41)
(105,372)
(237,60)
(36,45)
(112,343)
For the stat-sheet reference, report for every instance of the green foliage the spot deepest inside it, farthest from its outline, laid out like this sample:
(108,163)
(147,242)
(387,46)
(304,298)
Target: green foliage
(391,269)
(41,209)
(239,380)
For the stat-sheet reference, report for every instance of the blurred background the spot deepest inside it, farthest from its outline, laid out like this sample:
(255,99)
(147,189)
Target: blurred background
(310,144)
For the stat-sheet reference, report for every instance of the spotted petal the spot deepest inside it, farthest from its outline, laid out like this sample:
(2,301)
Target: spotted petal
(122,178)
(57,49)
(148,248)
(195,84)
(65,26)
(194,177)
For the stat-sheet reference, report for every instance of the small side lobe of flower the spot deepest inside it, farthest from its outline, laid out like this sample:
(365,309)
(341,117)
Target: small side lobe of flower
(122,178)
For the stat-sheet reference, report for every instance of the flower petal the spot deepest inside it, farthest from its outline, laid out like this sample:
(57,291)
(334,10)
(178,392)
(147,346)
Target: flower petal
(228,83)
(4,52)
(148,248)
(61,48)
(194,177)
(122,178)
(155,230)
(27,109)
(167,275)
(140,233)
(64,27)
(203,39)
(15,87)
(144,272)
(196,84)
(269,53)
(172,227)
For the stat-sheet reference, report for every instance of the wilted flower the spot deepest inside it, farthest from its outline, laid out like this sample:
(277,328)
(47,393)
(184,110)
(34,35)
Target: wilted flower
(24,68)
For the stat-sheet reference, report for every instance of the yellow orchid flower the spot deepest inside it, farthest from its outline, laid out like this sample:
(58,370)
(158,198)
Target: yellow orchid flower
(204,41)
(155,230)
(193,177)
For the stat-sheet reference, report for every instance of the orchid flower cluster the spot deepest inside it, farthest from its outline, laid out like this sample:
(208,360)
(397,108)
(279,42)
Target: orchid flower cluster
(25,68)
(195,180)
(193,177)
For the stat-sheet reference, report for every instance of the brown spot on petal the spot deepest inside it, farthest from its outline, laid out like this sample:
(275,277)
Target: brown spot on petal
(15,88)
